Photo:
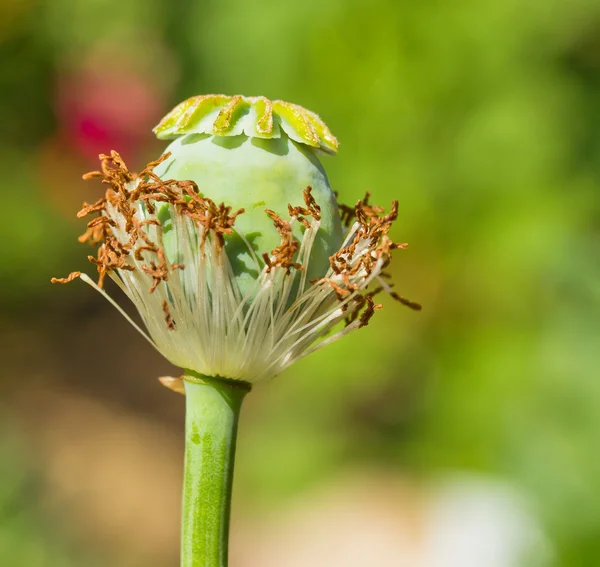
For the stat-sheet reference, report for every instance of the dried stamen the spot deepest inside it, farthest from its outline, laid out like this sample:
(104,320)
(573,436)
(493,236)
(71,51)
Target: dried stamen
(68,279)
(168,318)
(312,209)
(220,331)
(283,255)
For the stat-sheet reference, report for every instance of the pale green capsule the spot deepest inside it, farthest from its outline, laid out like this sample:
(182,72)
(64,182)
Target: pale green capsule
(254,154)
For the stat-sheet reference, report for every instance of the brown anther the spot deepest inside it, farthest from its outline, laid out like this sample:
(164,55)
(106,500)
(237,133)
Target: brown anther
(92,175)
(126,190)
(150,222)
(349,285)
(157,270)
(340,292)
(145,248)
(125,240)
(367,208)
(69,278)
(347,214)
(311,205)
(407,302)
(87,209)
(312,209)
(168,318)
(282,256)
(368,312)
(304,222)
(101,221)
(217,220)
(93,236)
(372,227)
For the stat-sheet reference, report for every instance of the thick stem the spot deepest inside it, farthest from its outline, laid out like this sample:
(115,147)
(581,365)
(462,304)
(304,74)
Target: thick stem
(212,410)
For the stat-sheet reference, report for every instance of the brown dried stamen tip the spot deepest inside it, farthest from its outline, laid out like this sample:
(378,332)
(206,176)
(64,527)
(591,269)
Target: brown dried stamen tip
(88,209)
(283,255)
(159,272)
(340,292)
(168,318)
(125,192)
(372,225)
(69,278)
(267,260)
(368,209)
(407,302)
(218,220)
(312,209)
(369,311)
(347,214)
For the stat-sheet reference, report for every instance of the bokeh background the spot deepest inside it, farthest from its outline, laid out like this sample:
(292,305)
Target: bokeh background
(468,434)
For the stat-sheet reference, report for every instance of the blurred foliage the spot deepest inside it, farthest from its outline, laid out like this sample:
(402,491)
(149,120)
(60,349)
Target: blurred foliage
(483,119)
(27,535)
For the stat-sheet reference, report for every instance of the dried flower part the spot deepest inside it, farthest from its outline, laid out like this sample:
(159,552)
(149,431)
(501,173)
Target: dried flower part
(256,117)
(174,384)
(196,314)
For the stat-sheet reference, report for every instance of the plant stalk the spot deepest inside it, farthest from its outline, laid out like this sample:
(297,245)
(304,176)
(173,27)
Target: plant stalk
(212,411)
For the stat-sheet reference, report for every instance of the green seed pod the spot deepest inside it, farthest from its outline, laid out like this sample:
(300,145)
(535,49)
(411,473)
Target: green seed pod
(253,154)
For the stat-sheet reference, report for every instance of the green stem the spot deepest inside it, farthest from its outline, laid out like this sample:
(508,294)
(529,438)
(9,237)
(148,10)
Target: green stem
(212,411)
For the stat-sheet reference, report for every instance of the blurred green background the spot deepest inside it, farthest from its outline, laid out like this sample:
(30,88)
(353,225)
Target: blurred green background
(481,118)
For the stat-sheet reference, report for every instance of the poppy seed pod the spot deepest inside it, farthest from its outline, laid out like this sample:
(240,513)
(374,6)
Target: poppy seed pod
(253,154)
